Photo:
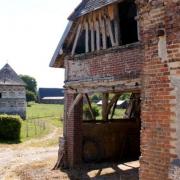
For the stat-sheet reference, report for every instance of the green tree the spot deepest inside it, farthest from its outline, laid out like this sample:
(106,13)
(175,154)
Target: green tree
(30,96)
(31,83)
(87,113)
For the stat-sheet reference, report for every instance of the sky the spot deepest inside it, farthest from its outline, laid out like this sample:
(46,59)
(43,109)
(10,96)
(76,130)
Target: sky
(29,34)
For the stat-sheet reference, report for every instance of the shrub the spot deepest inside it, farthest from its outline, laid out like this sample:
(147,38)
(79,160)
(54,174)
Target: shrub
(10,127)
(87,114)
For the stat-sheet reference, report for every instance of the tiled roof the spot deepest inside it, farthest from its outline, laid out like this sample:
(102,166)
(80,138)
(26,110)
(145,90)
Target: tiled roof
(9,77)
(87,6)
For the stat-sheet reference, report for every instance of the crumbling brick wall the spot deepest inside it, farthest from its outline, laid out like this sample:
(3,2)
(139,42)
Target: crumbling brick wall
(159,118)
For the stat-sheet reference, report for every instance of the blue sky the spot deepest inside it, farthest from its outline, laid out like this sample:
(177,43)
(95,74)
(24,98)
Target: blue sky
(29,33)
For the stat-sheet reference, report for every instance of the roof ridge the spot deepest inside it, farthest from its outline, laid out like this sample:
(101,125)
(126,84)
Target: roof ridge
(9,77)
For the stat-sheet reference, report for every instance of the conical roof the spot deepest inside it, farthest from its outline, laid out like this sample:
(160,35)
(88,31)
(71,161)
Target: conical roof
(9,77)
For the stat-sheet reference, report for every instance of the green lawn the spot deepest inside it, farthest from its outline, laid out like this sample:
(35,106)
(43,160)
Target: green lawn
(41,118)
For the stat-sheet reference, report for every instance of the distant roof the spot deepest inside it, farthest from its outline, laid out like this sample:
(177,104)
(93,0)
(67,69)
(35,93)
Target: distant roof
(51,92)
(87,6)
(9,77)
(53,98)
(119,102)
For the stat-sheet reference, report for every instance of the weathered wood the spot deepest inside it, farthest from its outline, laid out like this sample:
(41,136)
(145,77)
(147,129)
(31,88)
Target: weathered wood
(97,35)
(77,99)
(108,22)
(87,37)
(114,108)
(76,39)
(90,107)
(105,100)
(117,25)
(110,104)
(92,34)
(103,31)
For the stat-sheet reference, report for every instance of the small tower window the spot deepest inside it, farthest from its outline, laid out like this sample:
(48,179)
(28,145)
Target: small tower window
(0,95)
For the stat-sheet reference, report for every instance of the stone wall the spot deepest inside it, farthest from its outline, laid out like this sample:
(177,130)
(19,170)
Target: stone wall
(13,100)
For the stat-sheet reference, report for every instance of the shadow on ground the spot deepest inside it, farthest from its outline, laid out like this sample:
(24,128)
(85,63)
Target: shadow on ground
(125,171)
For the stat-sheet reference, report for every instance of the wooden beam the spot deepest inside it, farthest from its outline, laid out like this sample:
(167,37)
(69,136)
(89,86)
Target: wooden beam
(76,39)
(90,107)
(105,99)
(97,35)
(117,25)
(114,108)
(103,31)
(77,99)
(110,31)
(87,36)
(111,103)
(91,26)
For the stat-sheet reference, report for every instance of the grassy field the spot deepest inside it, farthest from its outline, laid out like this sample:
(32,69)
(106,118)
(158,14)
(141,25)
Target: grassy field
(41,119)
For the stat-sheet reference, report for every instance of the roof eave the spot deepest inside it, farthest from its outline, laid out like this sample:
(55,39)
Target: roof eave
(59,54)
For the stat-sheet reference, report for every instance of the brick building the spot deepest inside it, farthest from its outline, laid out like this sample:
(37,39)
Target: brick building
(12,93)
(117,46)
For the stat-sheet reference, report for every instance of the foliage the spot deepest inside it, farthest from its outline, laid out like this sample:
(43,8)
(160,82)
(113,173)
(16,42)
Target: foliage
(125,96)
(96,97)
(86,112)
(31,83)
(10,127)
(30,96)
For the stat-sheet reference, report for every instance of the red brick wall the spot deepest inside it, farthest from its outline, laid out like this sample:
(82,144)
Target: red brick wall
(118,64)
(156,99)
(73,131)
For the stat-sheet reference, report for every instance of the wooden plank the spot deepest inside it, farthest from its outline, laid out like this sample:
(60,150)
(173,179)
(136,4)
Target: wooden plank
(108,23)
(77,99)
(105,99)
(76,39)
(97,35)
(117,25)
(114,108)
(87,37)
(110,104)
(111,12)
(103,30)
(91,24)
(90,107)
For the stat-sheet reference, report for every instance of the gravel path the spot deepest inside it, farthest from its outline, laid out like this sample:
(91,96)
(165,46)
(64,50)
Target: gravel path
(14,156)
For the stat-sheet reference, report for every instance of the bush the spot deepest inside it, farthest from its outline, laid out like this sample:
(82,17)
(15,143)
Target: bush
(87,114)
(10,127)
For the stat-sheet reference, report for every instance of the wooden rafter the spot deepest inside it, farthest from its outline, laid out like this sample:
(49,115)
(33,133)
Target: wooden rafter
(97,34)
(105,99)
(111,103)
(87,37)
(103,31)
(76,39)
(90,107)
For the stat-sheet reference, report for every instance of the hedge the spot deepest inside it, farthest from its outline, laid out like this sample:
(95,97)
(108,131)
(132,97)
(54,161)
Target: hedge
(10,127)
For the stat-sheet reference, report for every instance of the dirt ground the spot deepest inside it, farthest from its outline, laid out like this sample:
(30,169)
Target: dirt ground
(30,161)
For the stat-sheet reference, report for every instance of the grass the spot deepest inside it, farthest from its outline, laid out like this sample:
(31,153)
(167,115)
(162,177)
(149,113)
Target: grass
(41,118)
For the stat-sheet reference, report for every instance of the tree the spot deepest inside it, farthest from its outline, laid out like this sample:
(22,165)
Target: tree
(31,87)
(30,96)
(31,83)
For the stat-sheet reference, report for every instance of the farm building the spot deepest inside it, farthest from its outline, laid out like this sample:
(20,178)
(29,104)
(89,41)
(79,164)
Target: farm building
(51,95)
(12,93)
(120,46)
